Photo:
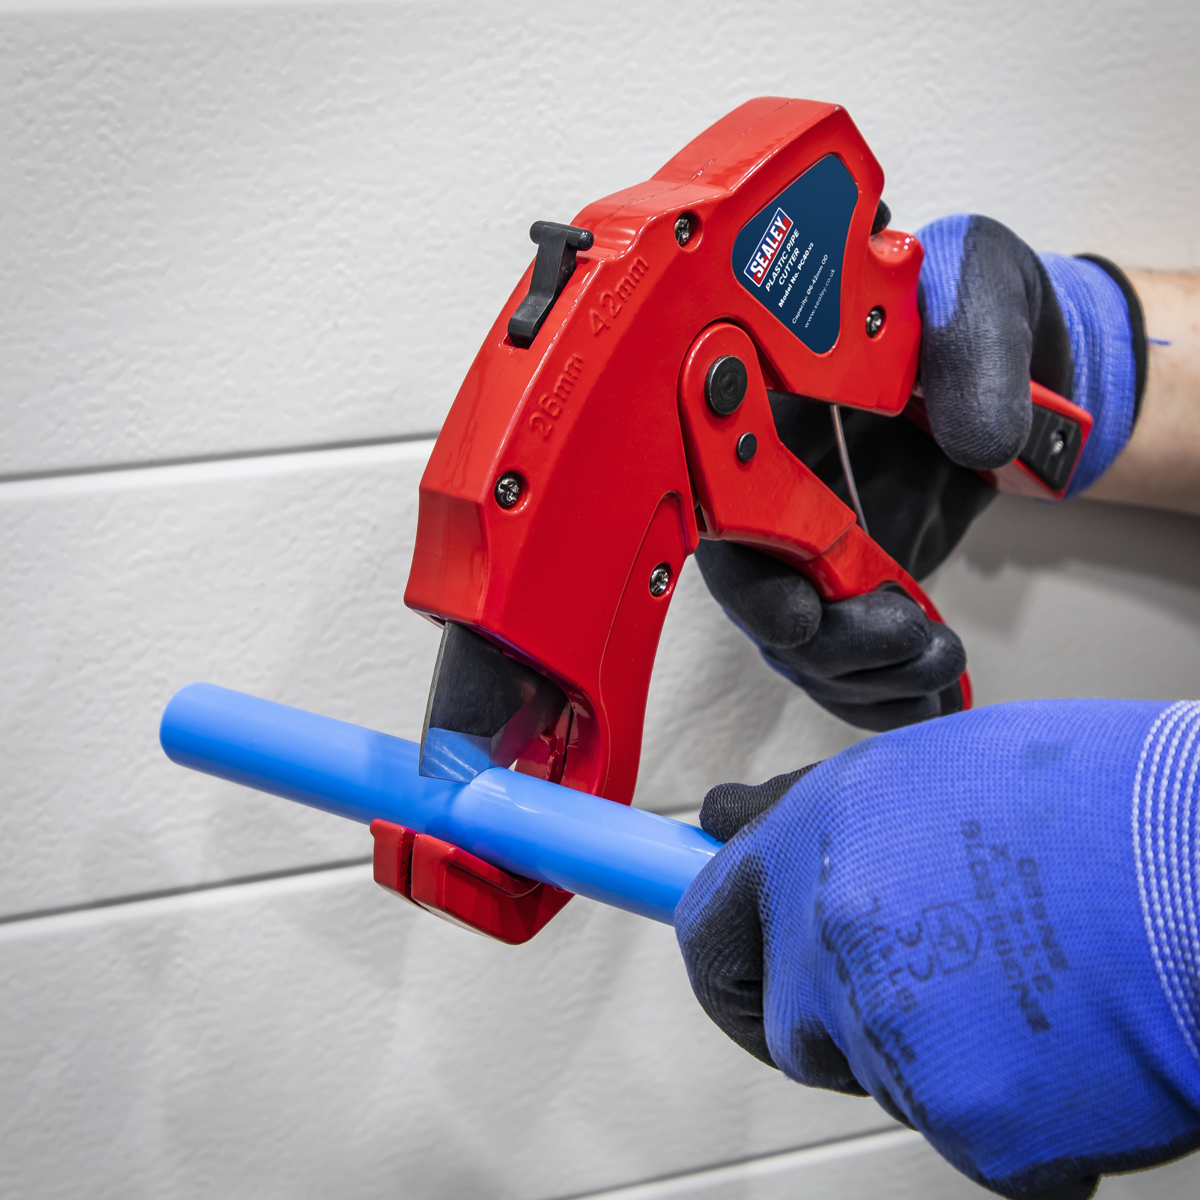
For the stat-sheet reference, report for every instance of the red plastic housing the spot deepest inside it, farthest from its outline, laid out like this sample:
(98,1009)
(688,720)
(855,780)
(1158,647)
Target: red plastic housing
(624,466)
(1015,477)
(460,888)
(589,417)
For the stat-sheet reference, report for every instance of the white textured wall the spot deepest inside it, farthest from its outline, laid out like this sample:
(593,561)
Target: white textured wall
(245,256)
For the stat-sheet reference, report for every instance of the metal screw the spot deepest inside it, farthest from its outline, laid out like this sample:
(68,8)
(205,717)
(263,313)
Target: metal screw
(508,489)
(1058,443)
(875,321)
(683,229)
(747,447)
(725,385)
(660,579)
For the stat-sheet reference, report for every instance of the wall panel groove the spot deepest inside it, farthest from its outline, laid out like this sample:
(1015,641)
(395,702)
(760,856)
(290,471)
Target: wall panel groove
(203,459)
(46,914)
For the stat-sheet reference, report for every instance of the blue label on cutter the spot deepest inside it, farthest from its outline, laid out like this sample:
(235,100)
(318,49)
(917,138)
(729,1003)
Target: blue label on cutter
(789,256)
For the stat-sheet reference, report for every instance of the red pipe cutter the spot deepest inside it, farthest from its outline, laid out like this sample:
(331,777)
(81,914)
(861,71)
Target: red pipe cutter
(617,412)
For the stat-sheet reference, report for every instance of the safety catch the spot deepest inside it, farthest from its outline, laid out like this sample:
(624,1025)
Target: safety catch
(555,262)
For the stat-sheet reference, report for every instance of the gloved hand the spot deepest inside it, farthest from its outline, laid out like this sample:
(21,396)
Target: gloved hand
(877,661)
(994,315)
(986,922)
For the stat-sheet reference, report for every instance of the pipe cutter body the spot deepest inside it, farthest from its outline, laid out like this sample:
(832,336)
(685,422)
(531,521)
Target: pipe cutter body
(616,413)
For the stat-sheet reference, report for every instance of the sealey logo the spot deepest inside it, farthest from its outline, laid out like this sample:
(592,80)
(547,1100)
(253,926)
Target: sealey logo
(762,258)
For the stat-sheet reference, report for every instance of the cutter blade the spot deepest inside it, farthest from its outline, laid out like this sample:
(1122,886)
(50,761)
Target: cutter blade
(484,708)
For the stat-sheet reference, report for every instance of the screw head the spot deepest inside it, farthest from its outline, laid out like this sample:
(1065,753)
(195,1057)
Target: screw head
(660,579)
(725,385)
(1058,443)
(875,321)
(683,229)
(508,489)
(747,447)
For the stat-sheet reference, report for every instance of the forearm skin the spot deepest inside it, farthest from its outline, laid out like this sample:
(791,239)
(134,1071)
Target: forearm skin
(1160,465)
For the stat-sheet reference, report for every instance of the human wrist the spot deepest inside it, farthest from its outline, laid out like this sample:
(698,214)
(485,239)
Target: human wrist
(1160,465)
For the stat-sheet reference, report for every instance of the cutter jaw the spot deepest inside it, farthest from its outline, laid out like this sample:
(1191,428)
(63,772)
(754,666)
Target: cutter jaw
(484,709)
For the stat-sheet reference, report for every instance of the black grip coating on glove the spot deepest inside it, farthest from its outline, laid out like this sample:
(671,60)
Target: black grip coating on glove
(876,660)
(723,949)
(773,603)
(1006,328)
(729,806)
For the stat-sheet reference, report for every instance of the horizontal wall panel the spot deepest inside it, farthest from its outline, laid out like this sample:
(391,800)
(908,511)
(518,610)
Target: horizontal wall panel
(254,227)
(1077,599)
(897,1164)
(313,1036)
(316,1037)
(282,577)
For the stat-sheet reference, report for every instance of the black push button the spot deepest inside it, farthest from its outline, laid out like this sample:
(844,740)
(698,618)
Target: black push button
(555,261)
(1052,447)
(725,385)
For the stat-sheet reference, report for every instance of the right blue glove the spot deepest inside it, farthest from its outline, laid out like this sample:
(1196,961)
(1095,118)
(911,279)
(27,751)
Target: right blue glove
(988,922)
(994,315)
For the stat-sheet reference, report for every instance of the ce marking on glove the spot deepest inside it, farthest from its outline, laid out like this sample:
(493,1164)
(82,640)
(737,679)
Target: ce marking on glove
(945,939)
(883,963)
(953,940)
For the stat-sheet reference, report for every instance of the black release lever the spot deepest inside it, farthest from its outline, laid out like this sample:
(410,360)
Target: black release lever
(555,261)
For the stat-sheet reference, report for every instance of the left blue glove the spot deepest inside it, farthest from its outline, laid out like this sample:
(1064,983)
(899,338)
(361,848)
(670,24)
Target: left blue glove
(988,922)
(995,314)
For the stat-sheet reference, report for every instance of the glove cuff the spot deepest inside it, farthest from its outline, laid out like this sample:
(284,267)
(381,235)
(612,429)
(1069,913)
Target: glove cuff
(1104,322)
(1137,322)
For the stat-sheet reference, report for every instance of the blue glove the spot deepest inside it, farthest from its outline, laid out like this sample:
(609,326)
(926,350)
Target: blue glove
(994,315)
(989,922)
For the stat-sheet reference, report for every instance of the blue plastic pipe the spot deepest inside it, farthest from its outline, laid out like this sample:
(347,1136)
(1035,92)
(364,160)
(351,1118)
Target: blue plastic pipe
(622,856)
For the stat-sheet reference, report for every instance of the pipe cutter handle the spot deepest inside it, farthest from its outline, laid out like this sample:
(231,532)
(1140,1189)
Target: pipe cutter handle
(751,489)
